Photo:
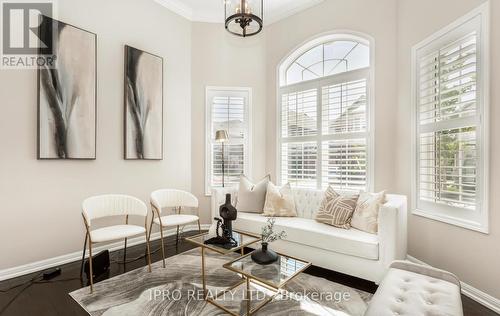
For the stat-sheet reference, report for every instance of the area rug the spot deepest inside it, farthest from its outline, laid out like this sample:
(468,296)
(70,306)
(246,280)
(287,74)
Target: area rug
(177,290)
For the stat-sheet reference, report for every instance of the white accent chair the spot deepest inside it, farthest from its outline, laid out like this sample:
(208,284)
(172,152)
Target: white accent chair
(176,199)
(349,251)
(112,205)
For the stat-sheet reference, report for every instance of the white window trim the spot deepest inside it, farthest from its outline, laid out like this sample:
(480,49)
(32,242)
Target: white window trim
(480,222)
(208,125)
(280,88)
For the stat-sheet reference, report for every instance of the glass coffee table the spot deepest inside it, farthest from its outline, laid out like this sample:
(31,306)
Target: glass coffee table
(272,276)
(242,239)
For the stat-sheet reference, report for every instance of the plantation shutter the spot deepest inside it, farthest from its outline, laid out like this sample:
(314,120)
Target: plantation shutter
(325,132)
(228,111)
(299,164)
(299,113)
(344,115)
(447,105)
(344,164)
(299,125)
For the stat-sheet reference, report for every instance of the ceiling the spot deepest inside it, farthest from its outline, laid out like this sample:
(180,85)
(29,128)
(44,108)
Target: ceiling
(213,10)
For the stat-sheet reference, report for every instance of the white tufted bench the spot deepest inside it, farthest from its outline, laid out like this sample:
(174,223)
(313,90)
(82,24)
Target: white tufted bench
(348,251)
(416,290)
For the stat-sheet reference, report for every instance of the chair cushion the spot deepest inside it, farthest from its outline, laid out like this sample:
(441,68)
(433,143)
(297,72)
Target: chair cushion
(176,220)
(408,293)
(115,232)
(311,233)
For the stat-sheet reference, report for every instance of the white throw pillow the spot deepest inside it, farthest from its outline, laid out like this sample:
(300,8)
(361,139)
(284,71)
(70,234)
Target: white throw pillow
(279,201)
(365,215)
(251,197)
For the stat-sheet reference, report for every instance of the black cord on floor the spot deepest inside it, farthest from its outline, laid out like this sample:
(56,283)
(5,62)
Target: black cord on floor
(144,255)
(27,285)
(24,283)
(134,259)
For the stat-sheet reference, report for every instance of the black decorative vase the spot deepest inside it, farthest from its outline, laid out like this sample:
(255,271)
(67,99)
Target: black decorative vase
(264,255)
(228,213)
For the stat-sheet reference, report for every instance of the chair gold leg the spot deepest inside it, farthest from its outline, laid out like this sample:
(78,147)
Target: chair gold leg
(125,252)
(83,257)
(149,252)
(91,270)
(150,228)
(162,246)
(177,239)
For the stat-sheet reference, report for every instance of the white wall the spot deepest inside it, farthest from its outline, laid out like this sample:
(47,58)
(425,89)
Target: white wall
(41,200)
(473,256)
(374,18)
(222,59)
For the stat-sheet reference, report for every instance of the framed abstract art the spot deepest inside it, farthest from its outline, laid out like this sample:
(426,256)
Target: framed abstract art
(67,93)
(143,105)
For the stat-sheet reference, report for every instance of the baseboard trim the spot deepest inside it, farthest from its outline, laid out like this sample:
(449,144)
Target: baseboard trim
(471,292)
(36,266)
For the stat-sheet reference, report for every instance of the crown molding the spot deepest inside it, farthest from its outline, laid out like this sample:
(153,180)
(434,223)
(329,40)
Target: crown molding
(180,8)
(291,11)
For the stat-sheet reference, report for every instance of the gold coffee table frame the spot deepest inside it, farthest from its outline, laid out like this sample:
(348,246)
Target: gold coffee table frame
(273,287)
(246,277)
(199,239)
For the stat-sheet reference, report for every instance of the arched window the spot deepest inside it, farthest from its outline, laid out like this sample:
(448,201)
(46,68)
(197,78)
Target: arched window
(324,128)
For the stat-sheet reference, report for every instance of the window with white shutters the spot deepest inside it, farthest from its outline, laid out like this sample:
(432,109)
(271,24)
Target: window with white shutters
(227,109)
(324,119)
(450,103)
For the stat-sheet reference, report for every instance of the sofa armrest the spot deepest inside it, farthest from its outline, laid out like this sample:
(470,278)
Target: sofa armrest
(219,198)
(392,229)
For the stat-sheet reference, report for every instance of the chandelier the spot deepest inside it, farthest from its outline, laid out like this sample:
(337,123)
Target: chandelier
(244,17)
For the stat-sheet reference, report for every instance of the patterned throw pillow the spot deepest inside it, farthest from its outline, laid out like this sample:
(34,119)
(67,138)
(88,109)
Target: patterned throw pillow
(279,201)
(365,215)
(336,209)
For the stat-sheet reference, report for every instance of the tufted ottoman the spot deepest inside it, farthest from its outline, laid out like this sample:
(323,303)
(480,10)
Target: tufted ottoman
(416,290)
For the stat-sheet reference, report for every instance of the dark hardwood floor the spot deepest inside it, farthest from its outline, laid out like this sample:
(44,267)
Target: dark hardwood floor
(51,298)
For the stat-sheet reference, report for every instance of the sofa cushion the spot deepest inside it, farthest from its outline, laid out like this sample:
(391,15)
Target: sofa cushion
(307,201)
(311,233)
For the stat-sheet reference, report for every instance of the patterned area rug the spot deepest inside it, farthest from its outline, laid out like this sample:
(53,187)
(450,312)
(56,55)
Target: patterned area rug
(177,290)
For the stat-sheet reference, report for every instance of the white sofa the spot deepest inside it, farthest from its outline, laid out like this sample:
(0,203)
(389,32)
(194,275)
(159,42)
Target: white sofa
(352,251)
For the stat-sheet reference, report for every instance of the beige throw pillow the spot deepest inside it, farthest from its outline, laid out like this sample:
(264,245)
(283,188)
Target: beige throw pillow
(279,201)
(251,197)
(365,215)
(337,210)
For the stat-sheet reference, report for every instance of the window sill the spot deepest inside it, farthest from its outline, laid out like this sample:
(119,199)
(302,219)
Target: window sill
(460,222)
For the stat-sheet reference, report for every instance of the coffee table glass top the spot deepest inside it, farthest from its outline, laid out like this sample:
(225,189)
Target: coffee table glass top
(242,239)
(275,275)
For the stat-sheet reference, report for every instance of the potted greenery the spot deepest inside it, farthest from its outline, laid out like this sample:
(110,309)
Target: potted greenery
(265,255)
